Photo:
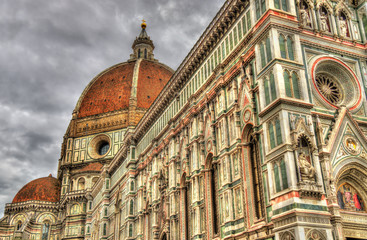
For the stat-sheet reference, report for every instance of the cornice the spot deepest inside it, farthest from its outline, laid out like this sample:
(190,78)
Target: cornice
(211,36)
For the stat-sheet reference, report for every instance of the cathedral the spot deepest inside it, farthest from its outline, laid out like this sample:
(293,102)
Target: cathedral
(260,133)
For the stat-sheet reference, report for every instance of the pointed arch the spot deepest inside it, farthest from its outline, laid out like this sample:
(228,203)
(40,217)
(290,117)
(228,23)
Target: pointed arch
(184,206)
(251,152)
(212,178)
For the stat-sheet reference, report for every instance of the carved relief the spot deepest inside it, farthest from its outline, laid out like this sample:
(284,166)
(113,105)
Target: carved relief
(351,145)
(315,234)
(288,235)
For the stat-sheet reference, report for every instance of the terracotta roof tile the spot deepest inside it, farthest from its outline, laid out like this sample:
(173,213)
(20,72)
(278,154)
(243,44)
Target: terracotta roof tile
(94,167)
(111,91)
(41,189)
(152,78)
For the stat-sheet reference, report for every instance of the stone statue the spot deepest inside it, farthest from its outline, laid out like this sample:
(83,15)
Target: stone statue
(306,169)
(323,21)
(343,27)
(305,18)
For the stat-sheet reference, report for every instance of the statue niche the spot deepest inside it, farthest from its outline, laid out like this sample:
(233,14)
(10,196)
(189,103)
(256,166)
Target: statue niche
(304,146)
(304,13)
(324,20)
(306,168)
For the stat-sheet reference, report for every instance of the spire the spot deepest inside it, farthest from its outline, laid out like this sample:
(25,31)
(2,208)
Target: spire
(143,47)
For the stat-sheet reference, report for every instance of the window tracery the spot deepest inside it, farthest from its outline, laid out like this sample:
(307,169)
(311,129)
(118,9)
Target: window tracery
(291,82)
(280,175)
(265,52)
(269,89)
(286,47)
(281,5)
(274,132)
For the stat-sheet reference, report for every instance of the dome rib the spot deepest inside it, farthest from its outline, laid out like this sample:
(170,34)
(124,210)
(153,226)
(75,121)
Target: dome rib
(111,90)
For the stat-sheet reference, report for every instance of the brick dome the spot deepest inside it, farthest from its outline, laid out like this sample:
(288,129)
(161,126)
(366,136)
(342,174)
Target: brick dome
(42,189)
(135,82)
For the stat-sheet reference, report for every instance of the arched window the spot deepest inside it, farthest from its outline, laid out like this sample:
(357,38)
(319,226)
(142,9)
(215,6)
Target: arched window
(265,52)
(291,85)
(290,48)
(81,184)
(75,209)
(283,52)
(72,186)
(132,186)
(256,176)
(260,7)
(19,225)
(364,21)
(130,230)
(214,194)
(145,53)
(186,199)
(131,212)
(45,230)
(105,229)
(270,89)
(275,134)
(139,53)
(286,47)
(94,180)
(280,176)
(281,4)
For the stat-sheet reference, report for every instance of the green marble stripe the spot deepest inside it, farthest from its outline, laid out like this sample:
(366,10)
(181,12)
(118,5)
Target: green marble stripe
(300,206)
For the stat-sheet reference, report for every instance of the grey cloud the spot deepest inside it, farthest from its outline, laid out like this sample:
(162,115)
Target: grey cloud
(50,50)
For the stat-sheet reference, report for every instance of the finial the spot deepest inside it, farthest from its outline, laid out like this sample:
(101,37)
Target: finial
(143,24)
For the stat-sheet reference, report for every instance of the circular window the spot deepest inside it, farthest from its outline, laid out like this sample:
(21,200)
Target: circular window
(329,88)
(99,146)
(335,84)
(103,149)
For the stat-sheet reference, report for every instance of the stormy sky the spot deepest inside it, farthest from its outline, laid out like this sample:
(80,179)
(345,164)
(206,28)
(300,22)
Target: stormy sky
(50,51)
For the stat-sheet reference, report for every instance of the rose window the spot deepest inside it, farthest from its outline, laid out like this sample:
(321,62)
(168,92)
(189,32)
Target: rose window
(329,88)
(335,83)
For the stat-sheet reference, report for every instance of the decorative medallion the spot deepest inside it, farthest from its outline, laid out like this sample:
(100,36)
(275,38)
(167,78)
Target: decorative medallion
(247,115)
(351,145)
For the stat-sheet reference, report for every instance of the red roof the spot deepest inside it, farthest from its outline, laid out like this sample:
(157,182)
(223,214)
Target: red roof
(152,78)
(111,90)
(94,167)
(42,189)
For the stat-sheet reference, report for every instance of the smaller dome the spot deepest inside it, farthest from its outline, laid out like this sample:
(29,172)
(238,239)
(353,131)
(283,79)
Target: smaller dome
(41,189)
